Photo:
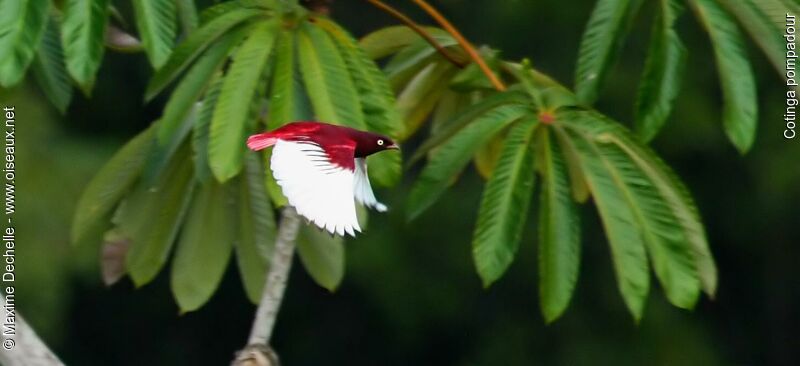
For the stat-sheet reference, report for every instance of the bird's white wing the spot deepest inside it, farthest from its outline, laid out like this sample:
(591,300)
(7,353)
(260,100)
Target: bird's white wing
(362,190)
(319,190)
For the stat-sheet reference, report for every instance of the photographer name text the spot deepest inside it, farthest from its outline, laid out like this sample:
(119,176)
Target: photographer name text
(9,323)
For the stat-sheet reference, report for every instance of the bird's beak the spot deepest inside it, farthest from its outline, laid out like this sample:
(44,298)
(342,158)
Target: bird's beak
(393,147)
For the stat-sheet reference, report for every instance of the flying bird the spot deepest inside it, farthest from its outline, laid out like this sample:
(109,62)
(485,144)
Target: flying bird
(322,170)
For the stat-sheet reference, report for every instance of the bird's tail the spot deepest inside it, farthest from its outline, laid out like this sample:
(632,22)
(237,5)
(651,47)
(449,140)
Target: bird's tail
(261,141)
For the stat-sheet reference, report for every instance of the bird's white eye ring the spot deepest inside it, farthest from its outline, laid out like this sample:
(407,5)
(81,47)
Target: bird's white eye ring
(380,142)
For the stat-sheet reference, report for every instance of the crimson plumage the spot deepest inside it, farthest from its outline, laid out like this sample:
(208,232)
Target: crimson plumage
(322,170)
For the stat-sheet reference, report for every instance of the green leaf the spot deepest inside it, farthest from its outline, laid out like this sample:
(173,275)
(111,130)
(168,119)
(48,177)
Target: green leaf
(411,60)
(763,19)
(450,104)
(740,105)
(273,189)
(466,116)
(22,24)
(187,14)
(453,155)
(151,215)
(653,202)
(621,225)
(601,42)
(579,187)
(107,188)
(185,53)
(161,153)
(559,231)
(287,100)
(202,171)
(792,7)
(82,36)
(422,93)
(328,84)
(390,40)
(663,70)
(221,8)
(155,20)
(50,71)
(322,255)
(377,102)
(671,189)
(205,245)
(486,157)
(229,126)
(472,78)
(256,228)
(377,99)
(504,207)
(194,83)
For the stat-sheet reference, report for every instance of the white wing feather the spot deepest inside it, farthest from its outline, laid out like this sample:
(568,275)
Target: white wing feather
(318,190)
(362,190)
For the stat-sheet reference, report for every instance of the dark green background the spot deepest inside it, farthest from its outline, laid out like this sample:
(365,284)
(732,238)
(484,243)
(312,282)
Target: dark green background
(410,295)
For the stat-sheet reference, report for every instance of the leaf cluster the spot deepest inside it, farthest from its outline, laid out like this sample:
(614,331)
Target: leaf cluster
(189,181)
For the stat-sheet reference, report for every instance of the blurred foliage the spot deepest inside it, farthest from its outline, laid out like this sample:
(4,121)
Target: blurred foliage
(410,295)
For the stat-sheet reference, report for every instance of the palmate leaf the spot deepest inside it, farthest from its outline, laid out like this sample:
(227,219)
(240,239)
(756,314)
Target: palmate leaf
(740,106)
(663,71)
(194,83)
(559,230)
(377,101)
(453,155)
(161,153)
(205,245)
(504,206)
(419,97)
(411,61)
(186,52)
(600,45)
(108,187)
(22,24)
(257,230)
(390,40)
(286,93)
(229,125)
(200,130)
(288,101)
(485,159)
(50,71)
(82,35)
(327,80)
(322,256)
(212,12)
(187,14)
(664,214)
(621,226)
(450,104)
(156,22)
(151,215)
(764,20)
(578,185)
(464,117)
(671,189)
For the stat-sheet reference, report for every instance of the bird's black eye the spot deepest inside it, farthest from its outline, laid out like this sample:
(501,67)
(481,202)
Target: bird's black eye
(380,142)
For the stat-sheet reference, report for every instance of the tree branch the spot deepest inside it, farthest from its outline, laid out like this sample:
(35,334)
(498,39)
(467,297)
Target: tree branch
(27,349)
(258,351)
(417,28)
(473,54)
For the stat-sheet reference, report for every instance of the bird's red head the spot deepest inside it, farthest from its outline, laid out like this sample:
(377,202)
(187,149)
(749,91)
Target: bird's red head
(369,143)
